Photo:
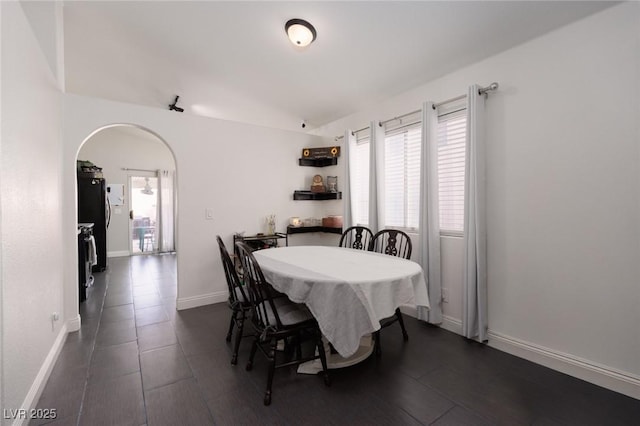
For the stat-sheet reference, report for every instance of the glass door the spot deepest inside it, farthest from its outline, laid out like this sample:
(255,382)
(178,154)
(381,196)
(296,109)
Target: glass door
(143,214)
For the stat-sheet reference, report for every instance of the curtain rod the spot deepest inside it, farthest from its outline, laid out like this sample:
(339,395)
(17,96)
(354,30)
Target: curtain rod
(138,170)
(353,133)
(489,88)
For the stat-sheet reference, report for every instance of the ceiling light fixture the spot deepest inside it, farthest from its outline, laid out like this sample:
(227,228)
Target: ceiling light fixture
(147,188)
(300,32)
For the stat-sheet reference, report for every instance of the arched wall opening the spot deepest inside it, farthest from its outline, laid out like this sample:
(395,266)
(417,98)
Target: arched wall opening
(123,150)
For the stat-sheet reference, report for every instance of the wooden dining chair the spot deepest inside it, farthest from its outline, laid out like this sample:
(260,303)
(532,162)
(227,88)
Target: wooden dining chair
(239,301)
(356,237)
(276,318)
(393,243)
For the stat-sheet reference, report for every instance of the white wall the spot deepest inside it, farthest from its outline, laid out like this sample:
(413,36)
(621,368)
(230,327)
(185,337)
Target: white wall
(45,18)
(115,148)
(243,172)
(563,195)
(31,221)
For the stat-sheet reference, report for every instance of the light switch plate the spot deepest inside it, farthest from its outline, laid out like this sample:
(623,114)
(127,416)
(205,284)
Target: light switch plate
(208,214)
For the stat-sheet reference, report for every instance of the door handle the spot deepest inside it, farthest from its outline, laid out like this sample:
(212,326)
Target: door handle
(131,214)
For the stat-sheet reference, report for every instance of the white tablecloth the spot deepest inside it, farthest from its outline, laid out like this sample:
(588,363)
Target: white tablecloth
(348,291)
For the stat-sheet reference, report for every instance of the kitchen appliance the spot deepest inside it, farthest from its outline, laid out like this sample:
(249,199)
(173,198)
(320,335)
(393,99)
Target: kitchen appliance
(85,263)
(94,207)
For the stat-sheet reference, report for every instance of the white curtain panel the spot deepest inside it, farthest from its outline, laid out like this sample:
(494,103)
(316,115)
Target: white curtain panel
(429,219)
(376,177)
(474,306)
(166,211)
(347,214)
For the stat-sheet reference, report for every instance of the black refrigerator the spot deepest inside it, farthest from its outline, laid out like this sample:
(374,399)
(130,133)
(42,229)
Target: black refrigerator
(93,207)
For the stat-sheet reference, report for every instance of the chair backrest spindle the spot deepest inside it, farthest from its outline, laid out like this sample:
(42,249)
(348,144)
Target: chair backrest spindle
(260,291)
(233,282)
(356,237)
(392,242)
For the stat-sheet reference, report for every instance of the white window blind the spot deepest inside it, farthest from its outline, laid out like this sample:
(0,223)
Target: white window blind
(451,166)
(402,176)
(359,170)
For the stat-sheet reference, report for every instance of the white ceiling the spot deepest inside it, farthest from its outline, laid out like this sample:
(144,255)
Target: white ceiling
(232,60)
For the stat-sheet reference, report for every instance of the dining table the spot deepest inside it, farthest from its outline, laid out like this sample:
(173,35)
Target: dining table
(348,291)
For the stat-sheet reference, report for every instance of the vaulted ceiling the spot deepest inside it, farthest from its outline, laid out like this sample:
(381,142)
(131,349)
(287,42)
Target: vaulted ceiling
(232,60)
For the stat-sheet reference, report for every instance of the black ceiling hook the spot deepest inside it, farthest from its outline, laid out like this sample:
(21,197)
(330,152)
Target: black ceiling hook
(173,106)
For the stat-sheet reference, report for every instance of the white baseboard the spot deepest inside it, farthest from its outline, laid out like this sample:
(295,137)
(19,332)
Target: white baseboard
(121,253)
(204,299)
(40,381)
(601,375)
(451,324)
(410,310)
(74,324)
(448,323)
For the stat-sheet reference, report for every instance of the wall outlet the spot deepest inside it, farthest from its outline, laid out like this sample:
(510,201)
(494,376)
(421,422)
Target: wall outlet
(445,295)
(208,214)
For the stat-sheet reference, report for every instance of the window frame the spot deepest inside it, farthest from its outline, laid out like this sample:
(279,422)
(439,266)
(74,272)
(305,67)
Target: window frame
(391,131)
(453,109)
(360,138)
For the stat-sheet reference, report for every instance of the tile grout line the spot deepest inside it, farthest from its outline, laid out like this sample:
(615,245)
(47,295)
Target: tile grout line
(193,376)
(450,399)
(135,326)
(443,414)
(93,348)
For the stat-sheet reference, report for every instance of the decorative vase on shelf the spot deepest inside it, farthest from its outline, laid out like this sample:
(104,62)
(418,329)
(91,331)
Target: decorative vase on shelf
(332,183)
(271,224)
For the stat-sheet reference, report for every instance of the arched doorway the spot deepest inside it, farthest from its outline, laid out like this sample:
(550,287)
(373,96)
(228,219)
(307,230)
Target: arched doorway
(118,156)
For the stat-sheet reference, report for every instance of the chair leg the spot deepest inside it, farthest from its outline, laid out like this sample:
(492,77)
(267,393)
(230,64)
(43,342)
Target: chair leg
(233,320)
(376,338)
(234,358)
(405,336)
(323,360)
(272,369)
(254,348)
(298,349)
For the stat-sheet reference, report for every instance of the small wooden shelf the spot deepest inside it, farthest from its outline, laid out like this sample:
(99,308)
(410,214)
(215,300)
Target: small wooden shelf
(305,229)
(308,195)
(318,162)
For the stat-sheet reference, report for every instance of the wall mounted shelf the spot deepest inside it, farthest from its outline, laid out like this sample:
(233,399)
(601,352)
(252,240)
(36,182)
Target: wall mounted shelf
(318,162)
(305,229)
(308,195)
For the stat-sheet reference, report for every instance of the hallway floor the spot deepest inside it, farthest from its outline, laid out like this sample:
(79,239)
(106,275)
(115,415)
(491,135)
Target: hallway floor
(136,361)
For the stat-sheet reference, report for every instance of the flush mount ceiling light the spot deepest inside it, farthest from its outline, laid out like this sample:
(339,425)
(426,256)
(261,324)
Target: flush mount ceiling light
(300,32)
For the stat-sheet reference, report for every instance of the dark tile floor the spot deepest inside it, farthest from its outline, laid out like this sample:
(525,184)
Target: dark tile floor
(136,360)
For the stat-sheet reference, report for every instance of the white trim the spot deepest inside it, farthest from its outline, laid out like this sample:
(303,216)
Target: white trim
(74,324)
(204,299)
(119,253)
(40,381)
(410,310)
(452,324)
(598,374)
(601,375)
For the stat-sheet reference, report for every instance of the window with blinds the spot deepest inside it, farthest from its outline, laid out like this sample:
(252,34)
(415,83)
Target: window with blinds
(359,170)
(451,166)
(402,176)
